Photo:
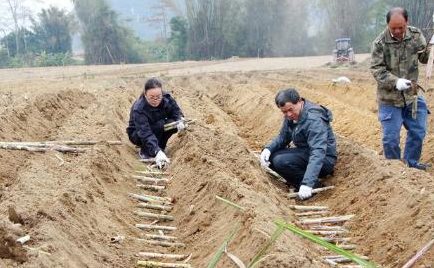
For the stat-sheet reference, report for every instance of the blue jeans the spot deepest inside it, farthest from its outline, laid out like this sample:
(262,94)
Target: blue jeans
(392,118)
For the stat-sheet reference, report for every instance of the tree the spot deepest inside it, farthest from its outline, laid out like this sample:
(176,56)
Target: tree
(18,14)
(53,30)
(105,40)
(178,38)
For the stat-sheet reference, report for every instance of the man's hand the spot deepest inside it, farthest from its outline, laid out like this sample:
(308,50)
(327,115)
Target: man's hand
(403,84)
(161,160)
(304,192)
(265,158)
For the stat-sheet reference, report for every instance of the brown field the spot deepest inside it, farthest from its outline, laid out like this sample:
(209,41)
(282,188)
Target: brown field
(72,207)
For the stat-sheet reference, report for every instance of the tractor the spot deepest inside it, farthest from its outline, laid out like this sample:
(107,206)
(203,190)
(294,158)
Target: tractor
(343,51)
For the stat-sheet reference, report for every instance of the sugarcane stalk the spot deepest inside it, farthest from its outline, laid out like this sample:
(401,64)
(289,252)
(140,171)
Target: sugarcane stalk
(419,254)
(161,237)
(151,187)
(335,239)
(150,255)
(155,227)
(309,208)
(146,199)
(159,198)
(62,149)
(311,213)
(155,207)
(147,172)
(345,246)
(117,239)
(154,216)
(150,179)
(155,264)
(342,259)
(326,219)
(329,228)
(161,243)
(54,143)
(317,232)
(314,191)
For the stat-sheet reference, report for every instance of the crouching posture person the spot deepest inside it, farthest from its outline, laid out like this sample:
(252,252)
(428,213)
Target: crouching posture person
(313,154)
(149,113)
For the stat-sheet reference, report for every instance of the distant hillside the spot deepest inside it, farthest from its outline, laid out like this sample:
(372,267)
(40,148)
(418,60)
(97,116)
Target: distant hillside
(133,13)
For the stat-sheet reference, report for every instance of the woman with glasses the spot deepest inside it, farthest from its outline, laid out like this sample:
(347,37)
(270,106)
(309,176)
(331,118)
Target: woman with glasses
(149,113)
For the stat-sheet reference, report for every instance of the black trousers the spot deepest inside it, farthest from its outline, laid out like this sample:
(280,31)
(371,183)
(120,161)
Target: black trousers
(162,137)
(291,164)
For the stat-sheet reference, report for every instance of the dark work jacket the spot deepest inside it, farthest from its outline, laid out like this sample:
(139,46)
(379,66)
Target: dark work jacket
(145,119)
(312,131)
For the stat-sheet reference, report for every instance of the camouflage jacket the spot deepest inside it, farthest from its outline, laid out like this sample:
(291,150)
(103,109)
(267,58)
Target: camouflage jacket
(393,59)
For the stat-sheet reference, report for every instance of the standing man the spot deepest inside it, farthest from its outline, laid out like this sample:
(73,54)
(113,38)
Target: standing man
(395,56)
(149,113)
(307,127)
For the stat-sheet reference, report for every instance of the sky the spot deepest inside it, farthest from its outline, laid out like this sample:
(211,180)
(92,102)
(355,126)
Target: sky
(35,7)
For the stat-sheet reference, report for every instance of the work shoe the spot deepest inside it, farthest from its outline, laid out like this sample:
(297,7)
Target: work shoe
(421,166)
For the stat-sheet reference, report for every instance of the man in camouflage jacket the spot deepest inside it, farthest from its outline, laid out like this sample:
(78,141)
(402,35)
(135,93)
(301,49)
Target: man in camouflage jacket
(395,56)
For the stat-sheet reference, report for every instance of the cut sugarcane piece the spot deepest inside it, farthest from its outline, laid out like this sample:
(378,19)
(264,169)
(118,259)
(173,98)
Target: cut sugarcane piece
(155,227)
(311,213)
(154,216)
(343,246)
(161,243)
(328,228)
(319,232)
(145,198)
(326,219)
(161,237)
(150,255)
(420,253)
(159,198)
(145,179)
(314,191)
(155,264)
(335,239)
(309,208)
(152,172)
(342,259)
(151,187)
(155,207)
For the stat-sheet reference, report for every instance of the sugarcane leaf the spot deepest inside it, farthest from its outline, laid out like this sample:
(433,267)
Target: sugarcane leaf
(220,251)
(325,244)
(229,202)
(235,259)
(277,233)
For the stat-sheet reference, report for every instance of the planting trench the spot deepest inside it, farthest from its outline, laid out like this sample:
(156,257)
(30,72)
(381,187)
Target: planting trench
(72,208)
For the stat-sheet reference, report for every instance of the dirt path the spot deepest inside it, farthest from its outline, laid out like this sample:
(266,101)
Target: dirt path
(72,208)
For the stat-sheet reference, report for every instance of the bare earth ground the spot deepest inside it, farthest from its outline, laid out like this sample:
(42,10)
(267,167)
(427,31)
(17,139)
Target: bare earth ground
(71,209)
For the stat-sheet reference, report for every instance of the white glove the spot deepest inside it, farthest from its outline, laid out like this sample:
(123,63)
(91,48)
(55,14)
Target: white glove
(161,159)
(431,42)
(304,192)
(265,158)
(403,84)
(180,126)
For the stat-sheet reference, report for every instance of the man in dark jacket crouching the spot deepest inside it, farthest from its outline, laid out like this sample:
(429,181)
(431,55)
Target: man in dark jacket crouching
(305,148)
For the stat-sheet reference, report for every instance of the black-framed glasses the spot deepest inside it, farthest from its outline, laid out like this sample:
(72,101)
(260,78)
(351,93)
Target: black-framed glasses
(155,98)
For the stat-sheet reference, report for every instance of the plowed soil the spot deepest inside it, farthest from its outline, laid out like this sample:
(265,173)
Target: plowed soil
(72,204)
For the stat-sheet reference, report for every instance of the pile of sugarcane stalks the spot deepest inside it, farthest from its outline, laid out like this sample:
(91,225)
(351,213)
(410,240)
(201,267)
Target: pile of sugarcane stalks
(316,220)
(155,211)
(59,146)
(172,125)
